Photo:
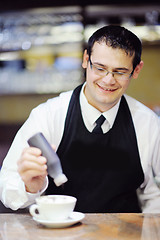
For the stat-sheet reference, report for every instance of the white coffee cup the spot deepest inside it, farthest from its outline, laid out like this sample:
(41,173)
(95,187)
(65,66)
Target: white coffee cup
(53,207)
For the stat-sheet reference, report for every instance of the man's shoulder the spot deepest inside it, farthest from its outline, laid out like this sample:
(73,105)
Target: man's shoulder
(141,111)
(62,98)
(136,105)
(54,105)
(65,95)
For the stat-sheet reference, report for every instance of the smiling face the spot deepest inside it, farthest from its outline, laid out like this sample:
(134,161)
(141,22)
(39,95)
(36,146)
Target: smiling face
(104,92)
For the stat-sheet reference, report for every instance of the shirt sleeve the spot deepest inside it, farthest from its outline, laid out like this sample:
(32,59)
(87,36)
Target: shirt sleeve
(48,118)
(149,192)
(12,189)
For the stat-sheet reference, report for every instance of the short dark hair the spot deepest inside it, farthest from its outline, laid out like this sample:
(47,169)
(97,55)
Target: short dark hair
(117,37)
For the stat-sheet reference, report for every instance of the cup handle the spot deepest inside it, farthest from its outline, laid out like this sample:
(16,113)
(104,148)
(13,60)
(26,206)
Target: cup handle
(33,210)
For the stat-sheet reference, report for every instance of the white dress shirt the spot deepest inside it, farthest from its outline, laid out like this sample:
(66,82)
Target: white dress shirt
(91,114)
(49,118)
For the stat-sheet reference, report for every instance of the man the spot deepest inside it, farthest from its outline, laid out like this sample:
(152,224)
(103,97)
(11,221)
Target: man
(112,170)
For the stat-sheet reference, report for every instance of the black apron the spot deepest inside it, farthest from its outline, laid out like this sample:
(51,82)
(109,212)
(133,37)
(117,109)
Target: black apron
(103,170)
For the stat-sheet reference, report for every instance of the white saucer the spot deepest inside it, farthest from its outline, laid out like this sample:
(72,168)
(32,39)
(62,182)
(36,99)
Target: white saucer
(75,217)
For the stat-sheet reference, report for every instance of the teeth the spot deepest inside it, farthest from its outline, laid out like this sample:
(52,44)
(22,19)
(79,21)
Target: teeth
(107,89)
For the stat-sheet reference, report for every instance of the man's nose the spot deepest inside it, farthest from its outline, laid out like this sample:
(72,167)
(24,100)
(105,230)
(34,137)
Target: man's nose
(109,78)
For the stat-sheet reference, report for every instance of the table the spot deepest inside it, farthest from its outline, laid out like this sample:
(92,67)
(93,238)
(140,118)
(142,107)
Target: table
(93,227)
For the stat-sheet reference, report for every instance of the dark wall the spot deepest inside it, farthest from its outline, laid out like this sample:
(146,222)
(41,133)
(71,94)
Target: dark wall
(7,134)
(20,4)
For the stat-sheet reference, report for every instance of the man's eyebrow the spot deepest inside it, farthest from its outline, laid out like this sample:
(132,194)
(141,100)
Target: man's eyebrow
(118,68)
(100,64)
(122,69)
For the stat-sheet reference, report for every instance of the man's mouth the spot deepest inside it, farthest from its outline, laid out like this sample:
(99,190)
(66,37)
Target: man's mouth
(107,89)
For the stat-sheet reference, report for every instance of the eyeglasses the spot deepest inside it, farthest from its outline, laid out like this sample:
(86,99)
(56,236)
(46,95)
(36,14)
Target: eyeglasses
(103,72)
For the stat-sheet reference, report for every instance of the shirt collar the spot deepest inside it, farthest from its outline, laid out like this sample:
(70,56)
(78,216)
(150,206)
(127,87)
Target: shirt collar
(91,114)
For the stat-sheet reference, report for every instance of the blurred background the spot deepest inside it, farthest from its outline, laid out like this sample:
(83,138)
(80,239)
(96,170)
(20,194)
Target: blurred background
(41,46)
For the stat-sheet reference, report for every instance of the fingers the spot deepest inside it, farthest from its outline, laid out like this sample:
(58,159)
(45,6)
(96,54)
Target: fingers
(31,164)
(32,167)
(31,156)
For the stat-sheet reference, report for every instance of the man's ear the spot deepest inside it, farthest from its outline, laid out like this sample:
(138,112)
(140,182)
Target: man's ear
(137,70)
(85,59)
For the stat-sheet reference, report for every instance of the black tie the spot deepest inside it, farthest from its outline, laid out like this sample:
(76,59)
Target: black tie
(99,123)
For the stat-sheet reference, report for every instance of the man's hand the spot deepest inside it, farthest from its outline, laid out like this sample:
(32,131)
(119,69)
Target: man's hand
(32,168)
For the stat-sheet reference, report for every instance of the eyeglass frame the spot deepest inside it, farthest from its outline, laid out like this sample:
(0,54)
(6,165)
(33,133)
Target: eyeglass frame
(107,72)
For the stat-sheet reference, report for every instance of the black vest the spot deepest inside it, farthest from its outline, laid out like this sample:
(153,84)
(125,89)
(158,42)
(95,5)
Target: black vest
(103,170)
